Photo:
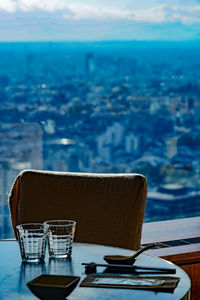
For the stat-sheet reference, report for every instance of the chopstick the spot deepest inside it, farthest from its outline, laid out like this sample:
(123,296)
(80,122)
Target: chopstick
(168,270)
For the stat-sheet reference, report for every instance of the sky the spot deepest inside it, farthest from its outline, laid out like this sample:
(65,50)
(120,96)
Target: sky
(96,20)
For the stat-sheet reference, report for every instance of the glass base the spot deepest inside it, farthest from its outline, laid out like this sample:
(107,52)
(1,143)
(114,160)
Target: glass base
(61,256)
(33,260)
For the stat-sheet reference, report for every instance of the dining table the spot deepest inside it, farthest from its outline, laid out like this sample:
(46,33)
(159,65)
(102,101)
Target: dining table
(14,274)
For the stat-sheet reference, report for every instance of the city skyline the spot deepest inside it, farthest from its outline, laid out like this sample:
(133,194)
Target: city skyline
(41,20)
(103,107)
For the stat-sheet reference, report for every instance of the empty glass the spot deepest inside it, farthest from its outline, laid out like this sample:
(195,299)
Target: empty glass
(60,236)
(32,242)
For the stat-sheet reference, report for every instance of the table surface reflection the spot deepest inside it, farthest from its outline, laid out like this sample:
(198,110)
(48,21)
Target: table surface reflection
(14,274)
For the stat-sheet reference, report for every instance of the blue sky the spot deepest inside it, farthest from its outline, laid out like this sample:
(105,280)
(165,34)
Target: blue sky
(88,20)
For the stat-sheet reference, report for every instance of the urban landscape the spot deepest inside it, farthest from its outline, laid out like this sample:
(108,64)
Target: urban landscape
(114,107)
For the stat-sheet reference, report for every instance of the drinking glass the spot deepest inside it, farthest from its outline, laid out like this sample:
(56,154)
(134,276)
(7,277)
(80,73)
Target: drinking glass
(32,242)
(60,236)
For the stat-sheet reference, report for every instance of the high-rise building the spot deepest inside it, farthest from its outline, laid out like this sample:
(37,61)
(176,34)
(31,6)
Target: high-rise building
(24,142)
(89,64)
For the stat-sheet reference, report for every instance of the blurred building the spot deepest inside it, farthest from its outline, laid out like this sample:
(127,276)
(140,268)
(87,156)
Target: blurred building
(89,64)
(25,145)
(172,199)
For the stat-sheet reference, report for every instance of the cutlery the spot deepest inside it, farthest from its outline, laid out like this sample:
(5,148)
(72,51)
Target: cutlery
(127,259)
(92,267)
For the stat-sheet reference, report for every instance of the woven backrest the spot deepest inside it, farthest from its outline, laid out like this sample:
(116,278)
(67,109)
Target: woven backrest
(108,208)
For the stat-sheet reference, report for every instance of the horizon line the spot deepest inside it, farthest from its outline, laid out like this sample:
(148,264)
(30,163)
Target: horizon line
(101,41)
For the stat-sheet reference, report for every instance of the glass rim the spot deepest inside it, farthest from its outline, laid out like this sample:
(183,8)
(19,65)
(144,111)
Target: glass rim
(56,222)
(21,226)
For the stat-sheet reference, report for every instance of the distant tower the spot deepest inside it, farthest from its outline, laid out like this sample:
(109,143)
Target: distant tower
(132,143)
(7,175)
(89,64)
(171,147)
(29,64)
(4,189)
(154,107)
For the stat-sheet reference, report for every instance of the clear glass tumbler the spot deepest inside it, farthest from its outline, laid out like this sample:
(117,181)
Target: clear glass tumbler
(60,236)
(32,242)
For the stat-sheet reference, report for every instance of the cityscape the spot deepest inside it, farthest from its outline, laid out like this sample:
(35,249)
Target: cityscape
(114,107)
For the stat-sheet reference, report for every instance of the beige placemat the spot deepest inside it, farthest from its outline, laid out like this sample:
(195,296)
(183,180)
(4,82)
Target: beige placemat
(162,283)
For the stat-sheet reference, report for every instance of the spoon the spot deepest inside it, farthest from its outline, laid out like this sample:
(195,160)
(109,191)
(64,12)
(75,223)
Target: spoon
(129,259)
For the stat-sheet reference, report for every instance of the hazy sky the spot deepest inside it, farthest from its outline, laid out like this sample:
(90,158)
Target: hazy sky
(61,20)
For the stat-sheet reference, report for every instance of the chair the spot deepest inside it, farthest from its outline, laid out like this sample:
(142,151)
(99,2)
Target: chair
(108,208)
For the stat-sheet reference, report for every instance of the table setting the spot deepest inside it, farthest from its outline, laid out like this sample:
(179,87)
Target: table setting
(49,246)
